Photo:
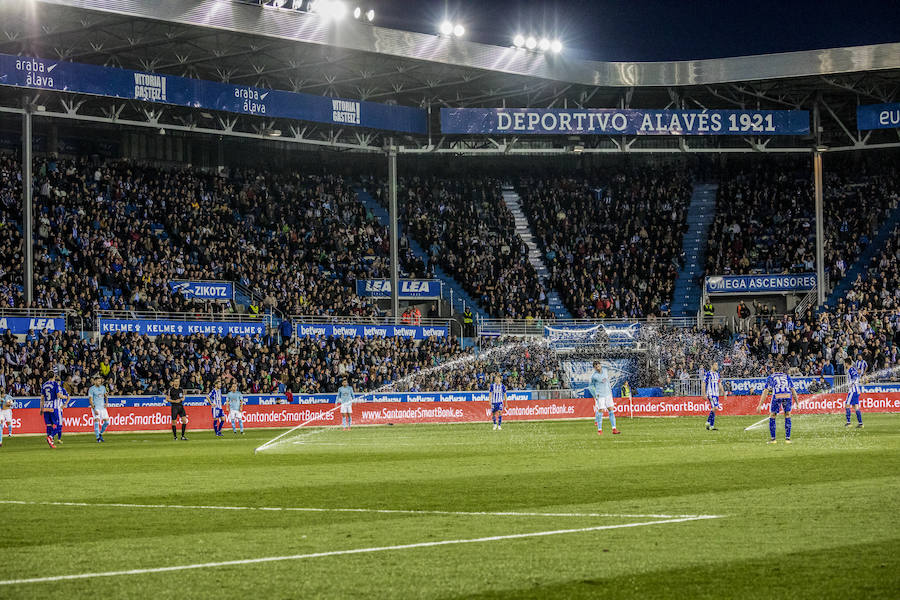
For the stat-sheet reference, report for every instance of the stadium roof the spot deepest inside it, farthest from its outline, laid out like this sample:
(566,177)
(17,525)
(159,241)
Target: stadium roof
(249,44)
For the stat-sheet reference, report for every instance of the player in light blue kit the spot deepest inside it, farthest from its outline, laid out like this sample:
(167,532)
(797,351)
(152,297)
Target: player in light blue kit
(781,388)
(51,397)
(345,399)
(497,398)
(853,377)
(712,390)
(97,396)
(601,390)
(214,399)
(6,418)
(235,406)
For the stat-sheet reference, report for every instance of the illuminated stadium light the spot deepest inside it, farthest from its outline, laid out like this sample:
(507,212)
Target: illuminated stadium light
(329,9)
(519,41)
(370,15)
(531,43)
(556,46)
(459,30)
(544,44)
(357,12)
(446,28)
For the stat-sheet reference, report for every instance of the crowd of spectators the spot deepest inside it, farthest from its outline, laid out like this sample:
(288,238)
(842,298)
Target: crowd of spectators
(613,246)
(467,229)
(765,219)
(132,363)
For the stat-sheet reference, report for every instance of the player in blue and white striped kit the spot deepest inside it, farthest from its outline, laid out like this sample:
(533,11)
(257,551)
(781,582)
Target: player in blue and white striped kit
(781,388)
(497,398)
(853,377)
(861,365)
(712,390)
(52,394)
(214,399)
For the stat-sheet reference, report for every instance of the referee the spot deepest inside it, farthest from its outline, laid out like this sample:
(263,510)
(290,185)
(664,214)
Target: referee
(175,397)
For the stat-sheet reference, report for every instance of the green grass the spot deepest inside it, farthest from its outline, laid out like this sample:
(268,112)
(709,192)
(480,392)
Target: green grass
(817,519)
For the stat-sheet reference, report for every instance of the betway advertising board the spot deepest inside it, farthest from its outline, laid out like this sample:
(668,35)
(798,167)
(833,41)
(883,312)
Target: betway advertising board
(157,418)
(414,332)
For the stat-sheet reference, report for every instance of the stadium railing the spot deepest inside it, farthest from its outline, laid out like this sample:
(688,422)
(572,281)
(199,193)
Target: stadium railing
(194,315)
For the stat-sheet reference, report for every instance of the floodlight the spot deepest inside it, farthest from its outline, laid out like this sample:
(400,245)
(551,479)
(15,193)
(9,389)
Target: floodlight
(357,12)
(544,44)
(446,28)
(531,43)
(519,41)
(556,46)
(370,15)
(459,30)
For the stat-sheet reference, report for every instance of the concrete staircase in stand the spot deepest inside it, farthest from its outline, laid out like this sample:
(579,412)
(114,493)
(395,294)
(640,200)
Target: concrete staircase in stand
(701,212)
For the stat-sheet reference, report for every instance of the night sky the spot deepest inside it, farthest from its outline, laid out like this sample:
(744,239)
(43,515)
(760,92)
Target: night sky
(642,30)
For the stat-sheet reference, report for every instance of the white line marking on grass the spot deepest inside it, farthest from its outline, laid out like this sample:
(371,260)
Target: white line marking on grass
(267,559)
(757,424)
(359,510)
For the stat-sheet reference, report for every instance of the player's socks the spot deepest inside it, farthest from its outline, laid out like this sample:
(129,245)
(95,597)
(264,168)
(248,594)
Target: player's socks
(104,427)
(612,419)
(96,429)
(858,416)
(242,425)
(772,427)
(183,428)
(50,429)
(599,419)
(787,428)
(848,415)
(499,421)
(174,432)
(712,419)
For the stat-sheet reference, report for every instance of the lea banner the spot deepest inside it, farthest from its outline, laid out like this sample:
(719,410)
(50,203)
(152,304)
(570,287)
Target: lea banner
(158,418)
(613,121)
(426,289)
(21,325)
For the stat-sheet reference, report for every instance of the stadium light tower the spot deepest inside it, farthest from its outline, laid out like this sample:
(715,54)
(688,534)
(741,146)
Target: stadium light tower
(446,28)
(459,30)
(556,46)
(531,43)
(519,40)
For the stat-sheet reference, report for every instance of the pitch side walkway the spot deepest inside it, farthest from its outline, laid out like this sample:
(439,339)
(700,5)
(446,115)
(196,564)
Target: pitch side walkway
(688,288)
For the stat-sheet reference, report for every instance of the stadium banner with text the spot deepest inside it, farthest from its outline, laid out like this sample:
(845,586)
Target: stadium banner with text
(21,325)
(757,284)
(165,327)
(203,290)
(428,289)
(150,418)
(61,76)
(612,121)
(878,116)
(413,332)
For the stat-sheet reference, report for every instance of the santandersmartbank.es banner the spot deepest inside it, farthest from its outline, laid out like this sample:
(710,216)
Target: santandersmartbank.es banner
(164,327)
(413,332)
(409,288)
(878,116)
(203,290)
(25,324)
(610,121)
(45,74)
(754,284)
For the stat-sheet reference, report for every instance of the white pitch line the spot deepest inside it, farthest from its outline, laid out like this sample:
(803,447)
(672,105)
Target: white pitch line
(358,510)
(267,559)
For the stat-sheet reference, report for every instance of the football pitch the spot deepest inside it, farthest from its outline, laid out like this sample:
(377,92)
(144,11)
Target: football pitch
(539,509)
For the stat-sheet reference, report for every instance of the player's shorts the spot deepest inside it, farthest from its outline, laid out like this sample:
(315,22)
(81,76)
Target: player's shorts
(853,398)
(178,411)
(51,418)
(495,406)
(346,408)
(218,413)
(235,415)
(6,415)
(714,402)
(779,404)
(100,414)
(606,402)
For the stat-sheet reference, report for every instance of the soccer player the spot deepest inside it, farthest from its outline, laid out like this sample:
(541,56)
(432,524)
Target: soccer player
(602,392)
(235,405)
(497,398)
(97,396)
(853,392)
(64,400)
(6,404)
(345,398)
(175,398)
(51,396)
(214,399)
(781,388)
(711,389)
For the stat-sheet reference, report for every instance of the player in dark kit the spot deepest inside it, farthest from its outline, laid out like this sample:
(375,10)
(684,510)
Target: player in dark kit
(175,397)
